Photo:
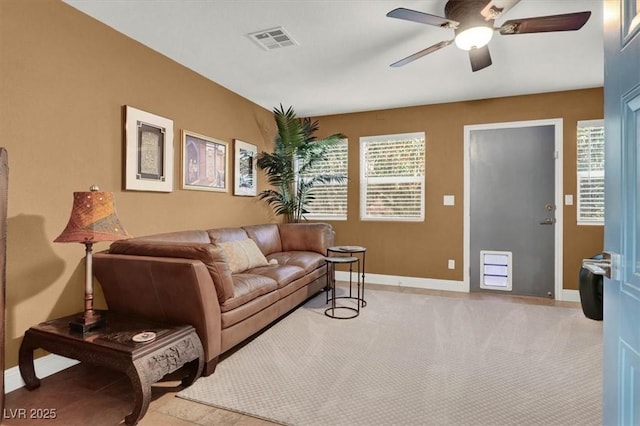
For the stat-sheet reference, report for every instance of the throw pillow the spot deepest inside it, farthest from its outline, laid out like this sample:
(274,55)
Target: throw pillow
(242,255)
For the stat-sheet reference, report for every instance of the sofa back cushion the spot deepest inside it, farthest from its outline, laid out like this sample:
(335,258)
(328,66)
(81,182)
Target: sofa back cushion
(315,237)
(266,236)
(242,255)
(191,236)
(209,254)
(223,235)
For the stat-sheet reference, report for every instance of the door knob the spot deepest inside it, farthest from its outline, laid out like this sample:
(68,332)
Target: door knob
(604,266)
(548,221)
(598,266)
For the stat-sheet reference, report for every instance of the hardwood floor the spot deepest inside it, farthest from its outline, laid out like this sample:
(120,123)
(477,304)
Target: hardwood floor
(85,395)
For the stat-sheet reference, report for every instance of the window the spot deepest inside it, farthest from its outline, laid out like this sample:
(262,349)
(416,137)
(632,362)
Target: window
(330,199)
(590,172)
(392,177)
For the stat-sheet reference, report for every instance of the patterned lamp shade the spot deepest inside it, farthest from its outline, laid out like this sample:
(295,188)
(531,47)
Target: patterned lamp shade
(93,218)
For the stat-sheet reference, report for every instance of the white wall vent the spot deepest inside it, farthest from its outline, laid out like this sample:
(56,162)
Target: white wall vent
(273,38)
(495,270)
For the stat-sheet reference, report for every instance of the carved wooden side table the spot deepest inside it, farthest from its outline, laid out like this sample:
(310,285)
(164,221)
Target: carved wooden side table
(144,350)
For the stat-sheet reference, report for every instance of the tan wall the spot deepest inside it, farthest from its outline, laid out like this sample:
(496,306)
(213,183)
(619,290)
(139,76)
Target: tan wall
(422,249)
(64,78)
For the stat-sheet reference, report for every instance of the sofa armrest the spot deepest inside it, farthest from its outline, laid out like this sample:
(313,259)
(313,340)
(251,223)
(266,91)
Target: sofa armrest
(175,290)
(317,237)
(209,254)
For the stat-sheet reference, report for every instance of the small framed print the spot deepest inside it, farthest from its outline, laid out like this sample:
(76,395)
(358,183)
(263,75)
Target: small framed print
(204,163)
(244,173)
(149,151)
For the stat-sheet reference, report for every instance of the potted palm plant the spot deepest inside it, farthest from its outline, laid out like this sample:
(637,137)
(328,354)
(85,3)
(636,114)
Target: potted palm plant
(296,152)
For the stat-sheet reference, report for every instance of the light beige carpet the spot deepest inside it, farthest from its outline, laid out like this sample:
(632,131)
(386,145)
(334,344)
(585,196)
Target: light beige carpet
(417,360)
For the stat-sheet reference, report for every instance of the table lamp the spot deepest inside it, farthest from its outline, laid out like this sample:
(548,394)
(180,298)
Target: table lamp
(93,219)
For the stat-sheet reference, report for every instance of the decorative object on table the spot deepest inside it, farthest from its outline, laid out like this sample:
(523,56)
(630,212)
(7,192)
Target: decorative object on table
(149,154)
(204,163)
(297,150)
(93,219)
(144,337)
(245,178)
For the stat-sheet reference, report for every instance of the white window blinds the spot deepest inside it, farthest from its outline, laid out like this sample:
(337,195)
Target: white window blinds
(590,167)
(392,177)
(330,199)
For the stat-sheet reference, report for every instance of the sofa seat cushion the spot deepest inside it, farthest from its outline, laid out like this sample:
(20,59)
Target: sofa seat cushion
(247,287)
(301,282)
(306,260)
(250,309)
(282,274)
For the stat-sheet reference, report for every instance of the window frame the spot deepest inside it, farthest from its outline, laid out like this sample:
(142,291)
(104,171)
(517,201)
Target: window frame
(588,175)
(391,179)
(340,216)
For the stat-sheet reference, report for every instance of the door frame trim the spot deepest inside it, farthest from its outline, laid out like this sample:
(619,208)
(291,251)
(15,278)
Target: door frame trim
(558,196)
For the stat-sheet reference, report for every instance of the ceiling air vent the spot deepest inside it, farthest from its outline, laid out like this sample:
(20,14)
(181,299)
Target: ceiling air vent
(273,38)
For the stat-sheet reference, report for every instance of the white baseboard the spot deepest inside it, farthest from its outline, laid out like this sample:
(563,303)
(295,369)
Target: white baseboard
(434,284)
(570,296)
(413,282)
(44,366)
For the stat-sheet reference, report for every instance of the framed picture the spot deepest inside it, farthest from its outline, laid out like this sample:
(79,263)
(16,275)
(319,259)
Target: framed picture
(149,151)
(245,179)
(204,163)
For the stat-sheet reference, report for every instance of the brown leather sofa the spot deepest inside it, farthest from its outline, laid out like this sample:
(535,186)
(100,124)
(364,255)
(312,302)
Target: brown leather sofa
(198,277)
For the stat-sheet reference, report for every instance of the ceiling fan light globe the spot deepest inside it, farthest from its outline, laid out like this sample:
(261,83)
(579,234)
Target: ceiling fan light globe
(474,37)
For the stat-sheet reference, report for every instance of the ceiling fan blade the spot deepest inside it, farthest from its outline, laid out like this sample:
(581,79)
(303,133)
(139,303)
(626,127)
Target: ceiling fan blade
(480,58)
(421,53)
(422,18)
(543,24)
(496,8)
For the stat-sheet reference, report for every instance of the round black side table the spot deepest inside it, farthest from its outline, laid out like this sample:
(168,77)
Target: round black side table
(351,250)
(332,261)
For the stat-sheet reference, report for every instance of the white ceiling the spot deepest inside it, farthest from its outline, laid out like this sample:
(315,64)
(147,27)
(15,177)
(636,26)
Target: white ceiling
(345,47)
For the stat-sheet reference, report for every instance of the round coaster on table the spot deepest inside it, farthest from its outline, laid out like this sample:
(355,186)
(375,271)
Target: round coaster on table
(144,337)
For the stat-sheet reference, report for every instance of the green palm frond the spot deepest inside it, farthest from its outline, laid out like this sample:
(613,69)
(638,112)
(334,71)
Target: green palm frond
(296,151)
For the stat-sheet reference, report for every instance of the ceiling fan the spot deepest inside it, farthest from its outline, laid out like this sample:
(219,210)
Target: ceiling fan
(473,23)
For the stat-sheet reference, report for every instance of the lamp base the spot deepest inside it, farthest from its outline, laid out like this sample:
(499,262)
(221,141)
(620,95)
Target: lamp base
(87,322)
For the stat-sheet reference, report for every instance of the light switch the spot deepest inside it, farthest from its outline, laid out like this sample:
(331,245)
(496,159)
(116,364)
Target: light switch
(568,199)
(449,200)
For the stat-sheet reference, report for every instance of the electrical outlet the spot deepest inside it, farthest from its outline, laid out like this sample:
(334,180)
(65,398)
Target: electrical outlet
(451,264)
